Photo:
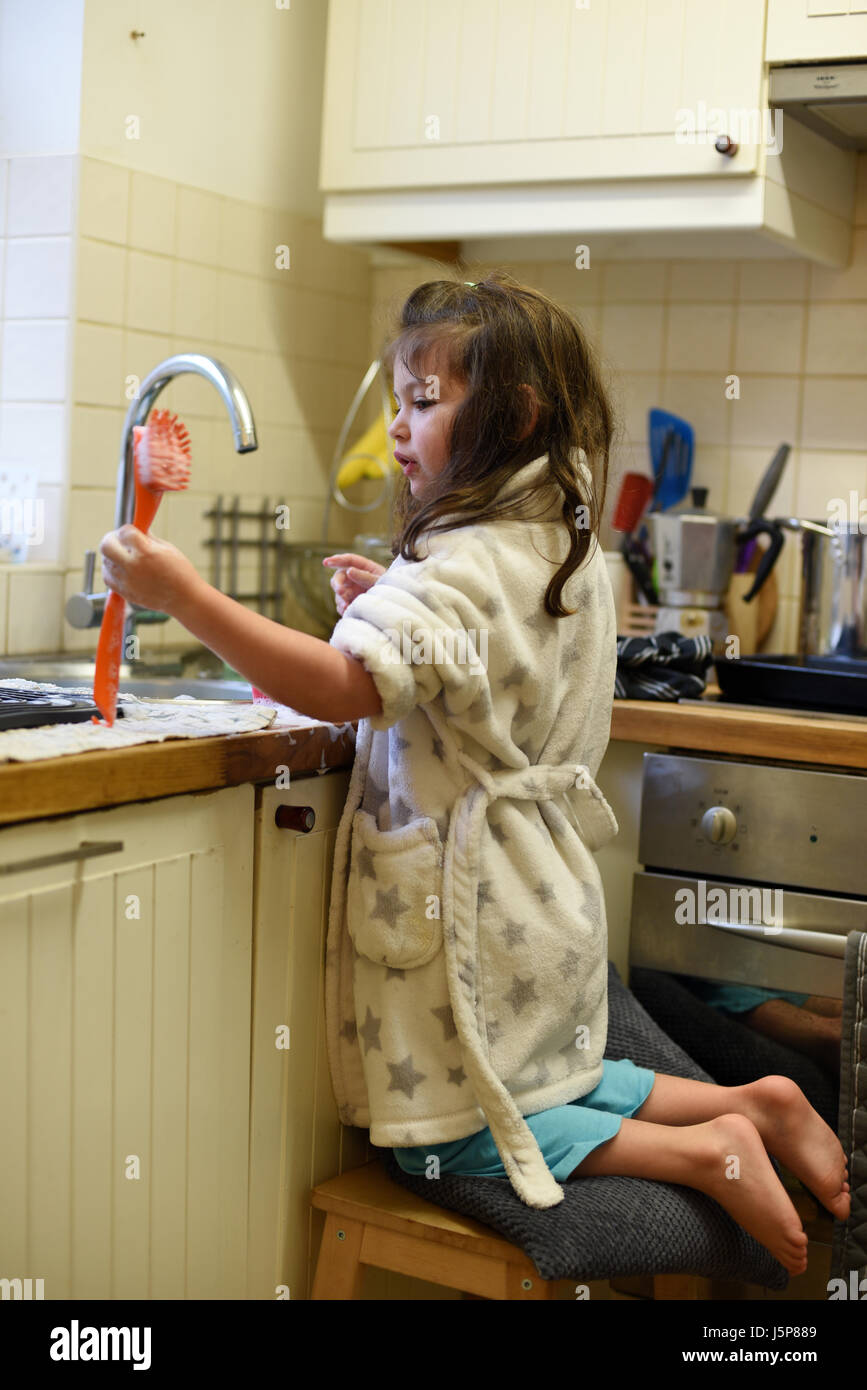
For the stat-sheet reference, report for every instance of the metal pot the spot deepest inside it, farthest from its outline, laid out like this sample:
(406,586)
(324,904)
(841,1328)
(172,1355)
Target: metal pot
(833,610)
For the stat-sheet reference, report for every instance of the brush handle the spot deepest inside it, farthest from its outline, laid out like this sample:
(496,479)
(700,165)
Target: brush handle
(108,657)
(109,651)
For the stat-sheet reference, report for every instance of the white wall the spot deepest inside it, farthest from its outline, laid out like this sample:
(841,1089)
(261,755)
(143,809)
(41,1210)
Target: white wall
(40,76)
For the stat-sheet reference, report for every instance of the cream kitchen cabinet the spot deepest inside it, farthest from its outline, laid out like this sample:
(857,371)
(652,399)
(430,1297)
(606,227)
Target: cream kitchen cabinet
(296,1138)
(804,31)
(533,128)
(424,93)
(125,966)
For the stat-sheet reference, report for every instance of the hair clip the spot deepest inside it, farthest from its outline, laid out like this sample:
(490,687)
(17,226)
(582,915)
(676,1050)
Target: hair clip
(472,283)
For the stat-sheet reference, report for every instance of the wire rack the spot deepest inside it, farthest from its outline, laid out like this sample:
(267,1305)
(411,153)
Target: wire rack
(234,531)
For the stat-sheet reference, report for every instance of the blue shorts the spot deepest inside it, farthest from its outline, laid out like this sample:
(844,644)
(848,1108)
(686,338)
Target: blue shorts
(565,1135)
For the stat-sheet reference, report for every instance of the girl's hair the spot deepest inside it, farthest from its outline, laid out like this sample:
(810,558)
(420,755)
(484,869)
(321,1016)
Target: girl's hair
(497,337)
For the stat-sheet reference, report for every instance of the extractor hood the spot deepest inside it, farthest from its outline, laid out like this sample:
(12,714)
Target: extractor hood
(830,98)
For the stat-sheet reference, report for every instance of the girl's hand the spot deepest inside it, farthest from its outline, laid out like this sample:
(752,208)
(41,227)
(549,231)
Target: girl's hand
(356,574)
(145,570)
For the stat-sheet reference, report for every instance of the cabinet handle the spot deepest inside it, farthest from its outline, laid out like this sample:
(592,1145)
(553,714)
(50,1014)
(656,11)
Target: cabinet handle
(727,146)
(301,818)
(88,849)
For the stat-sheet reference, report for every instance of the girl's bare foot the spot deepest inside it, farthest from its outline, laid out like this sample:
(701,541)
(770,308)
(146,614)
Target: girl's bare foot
(796,1135)
(755,1197)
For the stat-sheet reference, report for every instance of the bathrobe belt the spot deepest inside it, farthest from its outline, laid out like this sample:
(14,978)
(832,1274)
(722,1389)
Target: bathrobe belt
(594,820)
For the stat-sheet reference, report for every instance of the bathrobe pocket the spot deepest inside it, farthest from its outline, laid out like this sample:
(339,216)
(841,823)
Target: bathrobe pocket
(394,892)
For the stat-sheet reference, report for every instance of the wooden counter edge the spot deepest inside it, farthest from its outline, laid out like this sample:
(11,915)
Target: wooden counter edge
(751,733)
(95,781)
(148,771)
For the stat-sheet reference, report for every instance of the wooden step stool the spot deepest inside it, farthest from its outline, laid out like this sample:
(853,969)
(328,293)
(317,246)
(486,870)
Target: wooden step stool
(371,1220)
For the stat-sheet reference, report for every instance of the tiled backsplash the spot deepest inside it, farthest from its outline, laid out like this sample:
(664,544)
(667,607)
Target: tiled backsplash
(151,268)
(158,268)
(670,333)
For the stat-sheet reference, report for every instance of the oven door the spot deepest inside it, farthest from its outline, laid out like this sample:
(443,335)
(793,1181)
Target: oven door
(744,940)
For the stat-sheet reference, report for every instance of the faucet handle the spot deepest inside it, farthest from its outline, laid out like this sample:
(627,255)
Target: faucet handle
(89,568)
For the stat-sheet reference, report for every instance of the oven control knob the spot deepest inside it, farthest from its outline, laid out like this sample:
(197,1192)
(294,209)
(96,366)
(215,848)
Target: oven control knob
(719,825)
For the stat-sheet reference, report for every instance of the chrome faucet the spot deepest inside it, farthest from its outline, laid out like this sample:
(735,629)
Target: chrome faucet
(85,609)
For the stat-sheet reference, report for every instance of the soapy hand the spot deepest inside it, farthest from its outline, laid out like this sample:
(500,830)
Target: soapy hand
(145,570)
(356,574)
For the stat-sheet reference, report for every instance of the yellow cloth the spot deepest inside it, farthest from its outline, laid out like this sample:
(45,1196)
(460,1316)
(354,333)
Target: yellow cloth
(374,442)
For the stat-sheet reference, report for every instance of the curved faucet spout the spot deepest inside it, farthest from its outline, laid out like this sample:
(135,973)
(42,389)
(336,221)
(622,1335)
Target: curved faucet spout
(220,376)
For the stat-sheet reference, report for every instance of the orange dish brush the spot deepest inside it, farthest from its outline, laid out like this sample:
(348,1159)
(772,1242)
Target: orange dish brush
(161,463)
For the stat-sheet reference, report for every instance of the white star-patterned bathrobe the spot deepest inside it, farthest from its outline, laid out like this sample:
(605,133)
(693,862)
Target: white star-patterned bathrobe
(466,971)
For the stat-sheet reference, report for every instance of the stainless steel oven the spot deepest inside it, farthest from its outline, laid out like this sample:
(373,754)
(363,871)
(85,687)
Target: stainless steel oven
(754,874)
(801,835)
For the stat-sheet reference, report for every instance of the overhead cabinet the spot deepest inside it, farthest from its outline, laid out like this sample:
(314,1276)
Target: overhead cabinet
(813,31)
(476,119)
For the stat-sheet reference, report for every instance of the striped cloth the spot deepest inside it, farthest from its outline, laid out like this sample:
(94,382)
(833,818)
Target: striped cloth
(665,667)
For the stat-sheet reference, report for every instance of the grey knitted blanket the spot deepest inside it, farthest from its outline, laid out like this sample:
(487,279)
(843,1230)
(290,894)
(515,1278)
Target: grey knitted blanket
(608,1226)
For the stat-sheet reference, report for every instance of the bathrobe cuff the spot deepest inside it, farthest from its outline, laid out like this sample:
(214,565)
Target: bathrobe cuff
(419,629)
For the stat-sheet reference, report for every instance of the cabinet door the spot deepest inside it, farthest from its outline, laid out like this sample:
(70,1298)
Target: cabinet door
(296,1138)
(424,93)
(816,30)
(124,1033)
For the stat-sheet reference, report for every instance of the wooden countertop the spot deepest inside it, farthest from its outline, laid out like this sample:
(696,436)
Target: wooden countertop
(752,733)
(89,781)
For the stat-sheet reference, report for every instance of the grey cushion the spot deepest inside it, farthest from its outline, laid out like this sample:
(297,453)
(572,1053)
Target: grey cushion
(610,1226)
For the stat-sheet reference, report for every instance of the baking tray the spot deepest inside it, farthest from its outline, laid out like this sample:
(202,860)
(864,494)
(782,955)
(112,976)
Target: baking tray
(836,685)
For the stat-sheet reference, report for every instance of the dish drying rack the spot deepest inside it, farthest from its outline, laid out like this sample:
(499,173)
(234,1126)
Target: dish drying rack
(335,493)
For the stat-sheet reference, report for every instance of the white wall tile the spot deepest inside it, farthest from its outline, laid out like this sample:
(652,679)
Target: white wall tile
(769,338)
(149,293)
(103,211)
(33,362)
(195,300)
(703,281)
(699,338)
(34,612)
(199,218)
(52,513)
(101,282)
(773,279)
(823,477)
(41,195)
(152,214)
(4,198)
(632,335)
(835,413)
(34,434)
(767,411)
(99,365)
(701,400)
(629,282)
(38,278)
(837,339)
(94,446)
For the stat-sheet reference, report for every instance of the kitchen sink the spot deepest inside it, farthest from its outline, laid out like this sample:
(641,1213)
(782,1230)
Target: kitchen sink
(77,672)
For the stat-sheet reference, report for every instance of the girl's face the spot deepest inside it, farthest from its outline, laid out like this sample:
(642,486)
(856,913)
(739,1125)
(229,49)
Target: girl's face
(421,429)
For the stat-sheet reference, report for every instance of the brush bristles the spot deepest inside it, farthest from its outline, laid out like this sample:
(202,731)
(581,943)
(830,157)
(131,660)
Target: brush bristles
(163,453)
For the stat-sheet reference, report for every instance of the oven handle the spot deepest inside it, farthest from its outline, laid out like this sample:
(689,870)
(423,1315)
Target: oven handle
(818,943)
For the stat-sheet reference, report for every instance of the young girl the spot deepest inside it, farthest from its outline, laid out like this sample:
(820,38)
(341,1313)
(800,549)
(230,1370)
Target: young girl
(466,968)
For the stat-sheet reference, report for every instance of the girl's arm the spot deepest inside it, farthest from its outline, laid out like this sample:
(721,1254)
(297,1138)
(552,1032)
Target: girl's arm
(291,667)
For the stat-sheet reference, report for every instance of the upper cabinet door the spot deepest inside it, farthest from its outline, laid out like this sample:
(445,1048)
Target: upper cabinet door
(426,93)
(816,30)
